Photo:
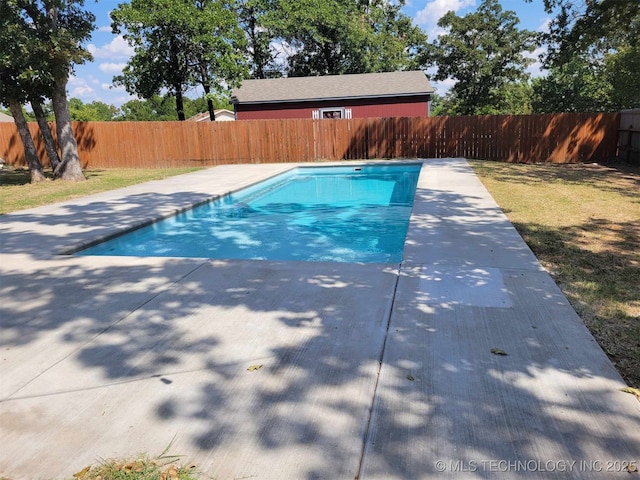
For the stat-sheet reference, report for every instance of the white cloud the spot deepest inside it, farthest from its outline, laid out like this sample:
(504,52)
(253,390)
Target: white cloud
(78,87)
(105,28)
(117,48)
(535,69)
(544,26)
(124,99)
(110,86)
(435,9)
(112,67)
(442,87)
(83,92)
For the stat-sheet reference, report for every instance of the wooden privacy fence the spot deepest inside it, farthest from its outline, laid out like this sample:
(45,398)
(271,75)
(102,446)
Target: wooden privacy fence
(559,138)
(629,135)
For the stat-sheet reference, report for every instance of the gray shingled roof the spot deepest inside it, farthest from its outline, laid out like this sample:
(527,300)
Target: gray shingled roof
(332,87)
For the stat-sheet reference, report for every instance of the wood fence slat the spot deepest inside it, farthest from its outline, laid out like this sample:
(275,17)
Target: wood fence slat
(559,138)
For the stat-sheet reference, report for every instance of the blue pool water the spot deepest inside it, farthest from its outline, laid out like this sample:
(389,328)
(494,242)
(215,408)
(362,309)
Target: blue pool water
(341,214)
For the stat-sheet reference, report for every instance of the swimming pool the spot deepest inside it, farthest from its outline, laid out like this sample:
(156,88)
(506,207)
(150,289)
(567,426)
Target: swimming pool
(341,214)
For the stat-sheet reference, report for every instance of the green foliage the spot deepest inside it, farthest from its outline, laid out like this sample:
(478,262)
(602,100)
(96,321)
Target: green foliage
(593,58)
(329,37)
(438,107)
(575,86)
(623,73)
(156,108)
(178,45)
(253,18)
(591,84)
(582,27)
(513,98)
(39,42)
(94,111)
(163,108)
(484,52)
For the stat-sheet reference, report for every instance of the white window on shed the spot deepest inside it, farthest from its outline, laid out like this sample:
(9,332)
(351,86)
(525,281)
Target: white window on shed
(332,113)
(315,114)
(347,113)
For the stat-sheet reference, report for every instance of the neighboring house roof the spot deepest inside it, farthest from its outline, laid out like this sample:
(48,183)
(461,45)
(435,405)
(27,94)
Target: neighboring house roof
(5,118)
(333,87)
(222,114)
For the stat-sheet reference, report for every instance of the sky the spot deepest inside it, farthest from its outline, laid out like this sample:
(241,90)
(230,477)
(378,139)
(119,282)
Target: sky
(94,80)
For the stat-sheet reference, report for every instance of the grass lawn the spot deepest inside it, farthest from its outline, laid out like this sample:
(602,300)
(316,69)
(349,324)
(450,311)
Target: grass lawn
(16,193)
(583,224)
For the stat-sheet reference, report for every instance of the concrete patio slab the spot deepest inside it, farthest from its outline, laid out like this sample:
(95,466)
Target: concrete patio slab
(447,406)
(184,364)
(292,370)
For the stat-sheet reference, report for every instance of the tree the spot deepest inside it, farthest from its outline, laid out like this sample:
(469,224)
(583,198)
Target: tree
(623,73)
(57,29)
(41,41)
(514,98)
(14,57)
(593,57)
(484,52)
(394,42)
(49,142)
(163,108)
(253,19)
(576,86)
(30,153)
(219,55)
(590,83)
(180,44)
(329,37)
(589,26)
(91,112)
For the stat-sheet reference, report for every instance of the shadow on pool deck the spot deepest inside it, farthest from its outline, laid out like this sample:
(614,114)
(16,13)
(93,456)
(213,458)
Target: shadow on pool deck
(364,370)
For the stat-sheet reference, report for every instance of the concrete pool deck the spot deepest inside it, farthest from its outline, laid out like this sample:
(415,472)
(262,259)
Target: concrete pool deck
(294,370)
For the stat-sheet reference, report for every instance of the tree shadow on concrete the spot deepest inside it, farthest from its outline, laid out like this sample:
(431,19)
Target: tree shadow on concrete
(269,368)
(448,407)
(602,284)
(73,224)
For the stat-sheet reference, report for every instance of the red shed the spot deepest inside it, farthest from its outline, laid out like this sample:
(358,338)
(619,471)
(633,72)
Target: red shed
(390,94)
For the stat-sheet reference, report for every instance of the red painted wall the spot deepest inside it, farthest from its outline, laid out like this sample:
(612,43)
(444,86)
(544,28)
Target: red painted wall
(360,108)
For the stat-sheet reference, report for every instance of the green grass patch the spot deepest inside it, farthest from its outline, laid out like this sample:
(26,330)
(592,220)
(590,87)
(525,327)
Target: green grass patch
(162,467)
(16,193)
(141,468)
(583,224)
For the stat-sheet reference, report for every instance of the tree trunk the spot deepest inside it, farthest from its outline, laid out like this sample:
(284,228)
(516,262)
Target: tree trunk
(258,57)
(212,112)
(49,143)
(69,167)
(30,153)
(180,104)
(207,89)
